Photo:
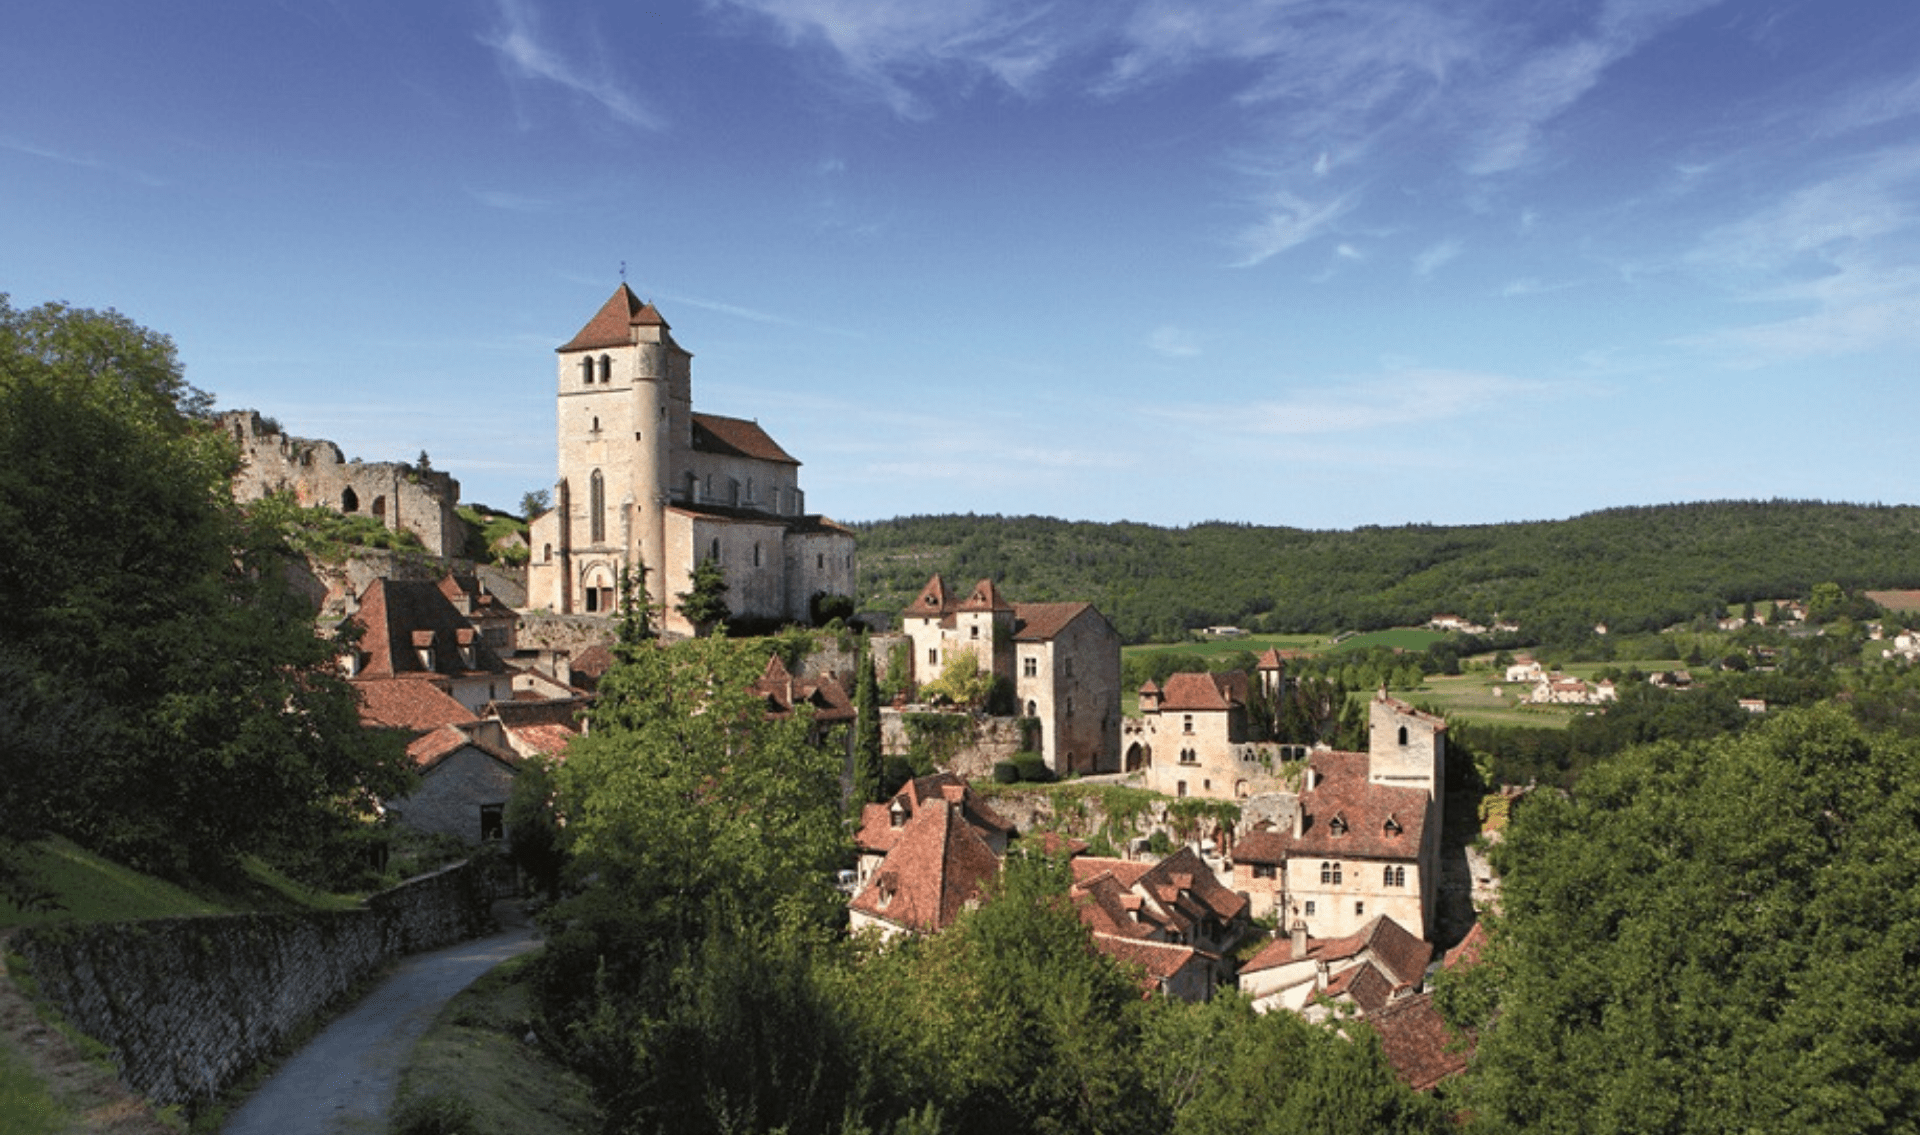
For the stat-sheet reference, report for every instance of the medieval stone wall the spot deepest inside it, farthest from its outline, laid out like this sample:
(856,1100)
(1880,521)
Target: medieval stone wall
(186,1005)
(403,497)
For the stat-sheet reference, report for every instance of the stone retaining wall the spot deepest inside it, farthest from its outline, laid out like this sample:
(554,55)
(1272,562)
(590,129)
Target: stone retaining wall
(188,1004)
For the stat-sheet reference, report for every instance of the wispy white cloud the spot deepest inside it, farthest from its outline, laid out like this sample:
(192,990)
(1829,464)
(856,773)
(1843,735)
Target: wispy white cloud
(1289,221)
(1173,342)
(1433,258)
(756,316)
(1533,286)
(891,47)
(1412,395)
(95,164)
(517,40)
(1838,252)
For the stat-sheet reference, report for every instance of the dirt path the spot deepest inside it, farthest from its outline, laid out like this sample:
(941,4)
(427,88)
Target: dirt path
(344,1080)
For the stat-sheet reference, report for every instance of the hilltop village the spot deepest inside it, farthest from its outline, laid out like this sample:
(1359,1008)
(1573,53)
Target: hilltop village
(818,846)
(1316,886)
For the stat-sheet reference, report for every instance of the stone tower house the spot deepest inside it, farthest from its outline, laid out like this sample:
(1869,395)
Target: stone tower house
(647,483)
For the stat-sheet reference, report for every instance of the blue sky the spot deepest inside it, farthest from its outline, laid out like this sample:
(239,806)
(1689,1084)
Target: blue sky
(1318,263)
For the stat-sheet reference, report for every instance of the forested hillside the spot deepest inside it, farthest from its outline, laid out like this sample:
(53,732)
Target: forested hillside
(1631,568)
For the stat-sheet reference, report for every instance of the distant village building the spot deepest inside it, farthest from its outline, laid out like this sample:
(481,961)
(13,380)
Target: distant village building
(646,485)
(1062,659)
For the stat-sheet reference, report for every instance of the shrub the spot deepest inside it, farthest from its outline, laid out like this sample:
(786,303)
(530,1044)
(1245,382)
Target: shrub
(435,1114)
(1006,772)
(1032,768)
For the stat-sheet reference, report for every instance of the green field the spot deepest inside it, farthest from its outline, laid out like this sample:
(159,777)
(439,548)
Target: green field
(1399,638)
(1208,647)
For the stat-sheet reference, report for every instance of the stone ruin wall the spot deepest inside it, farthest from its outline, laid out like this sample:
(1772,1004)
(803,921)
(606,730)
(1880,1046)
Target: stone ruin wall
(401,496)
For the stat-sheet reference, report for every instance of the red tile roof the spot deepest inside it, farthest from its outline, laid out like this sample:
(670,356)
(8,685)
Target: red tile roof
(1203,692)
(783,692)
(428,751)
(1040,622)
(937,866)
(1467,952)
(612,325)
(877,832)
(1417,1042)
(396,616)
(415,703)
(1182,889)
(736,437)
(1159,962)
(1344,798)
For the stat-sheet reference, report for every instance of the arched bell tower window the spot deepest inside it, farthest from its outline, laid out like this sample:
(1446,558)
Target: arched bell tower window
(606,368)
(597,507)
(586,370)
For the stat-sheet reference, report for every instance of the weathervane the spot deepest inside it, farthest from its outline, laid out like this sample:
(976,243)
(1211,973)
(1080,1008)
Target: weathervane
(623,271)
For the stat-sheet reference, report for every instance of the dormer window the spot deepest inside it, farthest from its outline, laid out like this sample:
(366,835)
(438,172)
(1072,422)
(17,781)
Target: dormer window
(1337,825)
(1391,827)
(897,814)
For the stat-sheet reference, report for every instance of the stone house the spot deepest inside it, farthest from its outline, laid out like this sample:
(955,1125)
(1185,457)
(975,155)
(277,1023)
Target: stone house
(649,486)
(1375,965)
(466,774)
(1062,659)
(1365,834)
(400,496)
(882,825)
(936,865)
(1177,902)
(1193,736)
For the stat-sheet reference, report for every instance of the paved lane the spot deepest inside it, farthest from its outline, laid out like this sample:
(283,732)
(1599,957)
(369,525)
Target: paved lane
(344,1080)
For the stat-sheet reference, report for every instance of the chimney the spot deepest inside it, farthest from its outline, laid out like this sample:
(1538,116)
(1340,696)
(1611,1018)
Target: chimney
(1299,820)
(1298,933)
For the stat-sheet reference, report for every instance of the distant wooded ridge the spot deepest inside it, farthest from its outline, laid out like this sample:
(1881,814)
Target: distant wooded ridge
(1633,569)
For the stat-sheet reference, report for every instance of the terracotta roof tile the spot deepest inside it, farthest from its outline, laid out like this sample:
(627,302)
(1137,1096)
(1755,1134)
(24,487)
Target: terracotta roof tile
(1040,622)
(1417,1042)
(936,867)
(1345,795)
(415,703)
(783,692)
(737,437)
(1467,952)
(1159,961)
(612,325)
(1203,692)
(397,616)
(877,832)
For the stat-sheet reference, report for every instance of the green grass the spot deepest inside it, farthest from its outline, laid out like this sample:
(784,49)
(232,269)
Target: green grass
(92,889)
(1256,643)
(26,1107)
(475,1052)
(1399,638)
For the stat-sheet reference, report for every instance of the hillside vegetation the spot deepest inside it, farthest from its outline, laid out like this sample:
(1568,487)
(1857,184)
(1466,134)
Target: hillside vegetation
(1634,569)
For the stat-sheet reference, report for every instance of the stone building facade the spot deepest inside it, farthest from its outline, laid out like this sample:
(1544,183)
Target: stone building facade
(400,496)
(1063,660)
(1193,738)
(1365,836)
(646,484)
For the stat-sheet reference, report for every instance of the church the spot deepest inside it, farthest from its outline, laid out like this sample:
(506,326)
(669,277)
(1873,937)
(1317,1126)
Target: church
(647,483)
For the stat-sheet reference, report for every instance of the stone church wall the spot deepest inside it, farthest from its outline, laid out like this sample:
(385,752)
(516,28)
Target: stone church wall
(401,496)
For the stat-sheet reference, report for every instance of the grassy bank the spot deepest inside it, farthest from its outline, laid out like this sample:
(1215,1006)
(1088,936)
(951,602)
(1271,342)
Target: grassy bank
(476,1072)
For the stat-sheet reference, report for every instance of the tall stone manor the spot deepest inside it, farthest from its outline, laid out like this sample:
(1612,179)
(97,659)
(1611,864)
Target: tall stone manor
(645,482)
(400,496)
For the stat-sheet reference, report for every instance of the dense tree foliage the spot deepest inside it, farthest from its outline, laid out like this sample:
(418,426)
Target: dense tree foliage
(1631,568)
(1710,936)
(142,604)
